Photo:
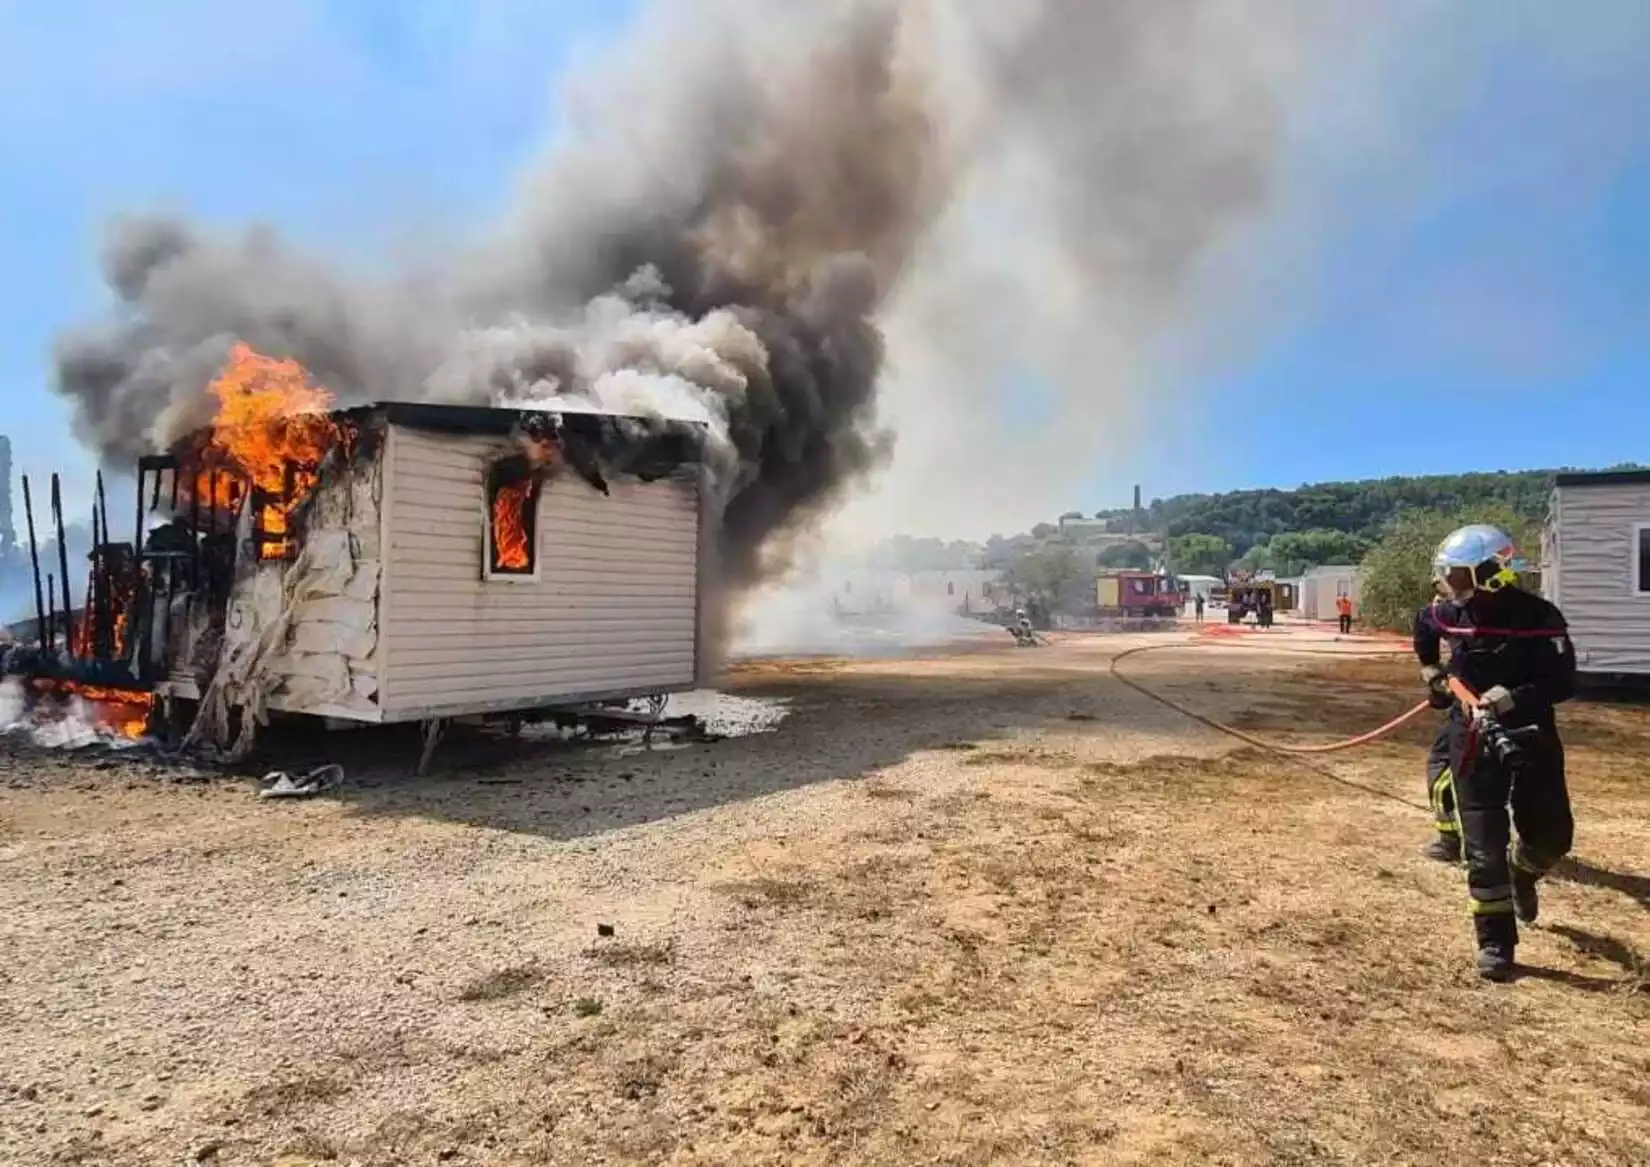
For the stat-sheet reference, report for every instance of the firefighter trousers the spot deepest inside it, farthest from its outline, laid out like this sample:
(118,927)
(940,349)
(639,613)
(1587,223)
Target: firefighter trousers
(1533,787)
(1441,785)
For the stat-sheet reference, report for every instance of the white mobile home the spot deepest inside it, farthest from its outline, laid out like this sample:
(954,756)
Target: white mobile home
(1320,587)
(1200,585)
(1595,565)
(446,562)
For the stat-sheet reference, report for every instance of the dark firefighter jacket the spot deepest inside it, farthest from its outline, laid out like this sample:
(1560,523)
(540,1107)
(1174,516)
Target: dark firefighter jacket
(1540,671)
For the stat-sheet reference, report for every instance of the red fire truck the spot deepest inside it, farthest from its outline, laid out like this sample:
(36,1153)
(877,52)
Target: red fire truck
(1137,593)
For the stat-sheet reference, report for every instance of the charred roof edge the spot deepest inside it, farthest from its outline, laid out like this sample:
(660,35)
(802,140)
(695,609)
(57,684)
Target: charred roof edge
(492,420)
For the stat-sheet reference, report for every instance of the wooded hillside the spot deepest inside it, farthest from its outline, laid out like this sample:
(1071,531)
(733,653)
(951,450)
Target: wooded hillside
(1244,518)
(1282,530)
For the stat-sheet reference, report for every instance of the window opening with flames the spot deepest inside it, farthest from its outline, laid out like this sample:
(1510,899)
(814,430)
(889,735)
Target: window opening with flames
(512,519)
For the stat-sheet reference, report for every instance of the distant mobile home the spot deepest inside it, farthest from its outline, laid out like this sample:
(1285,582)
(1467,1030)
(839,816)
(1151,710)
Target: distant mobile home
(1595,564)
(1200,585)
(1320,587)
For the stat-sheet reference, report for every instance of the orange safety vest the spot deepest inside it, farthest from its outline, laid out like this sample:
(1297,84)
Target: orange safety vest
(1343,605)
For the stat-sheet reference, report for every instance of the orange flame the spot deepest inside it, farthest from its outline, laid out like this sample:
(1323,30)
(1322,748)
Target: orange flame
(122,711)
(273,426)
(121,595)
(510,542)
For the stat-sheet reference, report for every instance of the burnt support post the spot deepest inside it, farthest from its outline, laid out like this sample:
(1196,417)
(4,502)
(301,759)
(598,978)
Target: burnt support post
(211,527)
(194,536)
(100,513)
(63,564)
(140,638)
(99,590)
(49,643)
(34,562)
(137,518)
(8,531)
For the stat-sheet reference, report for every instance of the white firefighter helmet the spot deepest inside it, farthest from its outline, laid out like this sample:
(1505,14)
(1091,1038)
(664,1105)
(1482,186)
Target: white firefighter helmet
(1476,557)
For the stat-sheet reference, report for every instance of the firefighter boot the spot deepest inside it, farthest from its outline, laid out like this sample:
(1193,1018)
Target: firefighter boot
(1526,900)
(1444,849)
(1495,962)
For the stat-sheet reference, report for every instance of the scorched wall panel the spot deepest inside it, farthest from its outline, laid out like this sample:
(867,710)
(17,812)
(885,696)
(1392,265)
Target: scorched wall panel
(614,611)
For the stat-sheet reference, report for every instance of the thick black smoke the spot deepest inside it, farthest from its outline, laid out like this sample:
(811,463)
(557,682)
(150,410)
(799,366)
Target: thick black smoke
(741,192)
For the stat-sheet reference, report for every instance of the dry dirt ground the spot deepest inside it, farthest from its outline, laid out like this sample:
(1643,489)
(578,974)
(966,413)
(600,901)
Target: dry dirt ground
(991,908)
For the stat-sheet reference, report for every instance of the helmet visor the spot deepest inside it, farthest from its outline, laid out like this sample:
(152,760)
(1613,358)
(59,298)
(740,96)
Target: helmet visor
(1458,582)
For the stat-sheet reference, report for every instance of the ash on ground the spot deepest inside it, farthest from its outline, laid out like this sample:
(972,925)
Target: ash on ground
(724,715)
(703,715)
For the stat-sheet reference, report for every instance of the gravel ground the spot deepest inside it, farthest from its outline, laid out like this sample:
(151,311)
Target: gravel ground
(879,931)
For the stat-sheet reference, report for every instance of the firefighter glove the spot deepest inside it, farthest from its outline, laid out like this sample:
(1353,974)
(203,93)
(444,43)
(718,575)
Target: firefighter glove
(1497,699)
(1437,682)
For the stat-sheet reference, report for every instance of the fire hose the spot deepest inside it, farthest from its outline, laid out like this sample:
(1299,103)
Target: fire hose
(1482,729)
(1248,738)
(1468,699)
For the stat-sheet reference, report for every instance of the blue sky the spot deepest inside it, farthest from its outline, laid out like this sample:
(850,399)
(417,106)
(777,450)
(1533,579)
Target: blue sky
(1478,296)
(1477,293)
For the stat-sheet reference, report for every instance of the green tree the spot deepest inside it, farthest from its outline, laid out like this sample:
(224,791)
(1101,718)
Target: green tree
(1199,554)
(904,553)
(1248,518)
(1043,576)
(1292,552)
(1256,558)
(1396,580)
(1132,554)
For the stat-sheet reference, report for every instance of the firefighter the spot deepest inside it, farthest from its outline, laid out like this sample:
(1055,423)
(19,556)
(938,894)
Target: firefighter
(1511,650)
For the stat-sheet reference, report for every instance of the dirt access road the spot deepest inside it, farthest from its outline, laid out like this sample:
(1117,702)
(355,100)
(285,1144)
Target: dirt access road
(987,908)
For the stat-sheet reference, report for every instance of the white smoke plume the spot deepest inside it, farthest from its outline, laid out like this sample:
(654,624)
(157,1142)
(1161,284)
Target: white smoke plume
(752,202)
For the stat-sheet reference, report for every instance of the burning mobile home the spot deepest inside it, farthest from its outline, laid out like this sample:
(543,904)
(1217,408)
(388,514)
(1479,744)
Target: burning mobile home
(402,562)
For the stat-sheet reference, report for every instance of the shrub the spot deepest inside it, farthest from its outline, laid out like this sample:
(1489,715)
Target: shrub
(1396,580)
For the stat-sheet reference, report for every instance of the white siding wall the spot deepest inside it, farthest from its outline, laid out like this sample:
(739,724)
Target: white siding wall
(1590,543)
(1548,564)
(615,610)
(1320,586)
